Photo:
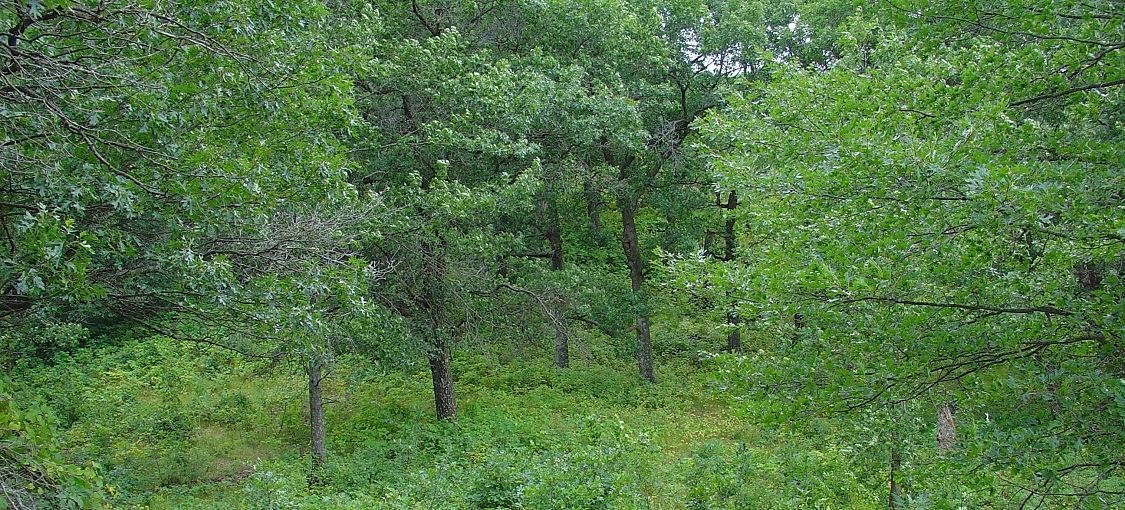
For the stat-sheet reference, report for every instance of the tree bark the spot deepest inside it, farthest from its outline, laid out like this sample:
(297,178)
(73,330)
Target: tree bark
(728,228)
(896,490)
(946,429)
(549,213)
(644,348)
(734,338)
(631,245)
(594,204)
(562,346)
(316,420)
(895,496)
(441,368)
(554,235)
(435,293)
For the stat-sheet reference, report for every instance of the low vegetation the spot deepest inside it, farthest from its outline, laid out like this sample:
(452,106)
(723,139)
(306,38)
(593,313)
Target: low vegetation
(174,425)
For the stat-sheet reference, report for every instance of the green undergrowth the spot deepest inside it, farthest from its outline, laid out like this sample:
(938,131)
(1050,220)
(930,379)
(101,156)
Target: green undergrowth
(175,425)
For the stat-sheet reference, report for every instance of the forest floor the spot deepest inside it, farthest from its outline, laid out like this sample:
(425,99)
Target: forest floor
(175,426)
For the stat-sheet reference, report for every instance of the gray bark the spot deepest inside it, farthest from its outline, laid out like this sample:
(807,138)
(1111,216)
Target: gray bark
(631,245)
(445,400)
(316,419)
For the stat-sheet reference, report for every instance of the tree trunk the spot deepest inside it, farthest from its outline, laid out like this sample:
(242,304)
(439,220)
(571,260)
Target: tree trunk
(631,245)
(441,342)
(554,237)
(734,338)
(562,347)
(441,368)
(644,348)
(549,213)
(316,420)
(728,229)
(895,496)
(594,203)
(946,429)
(896,490)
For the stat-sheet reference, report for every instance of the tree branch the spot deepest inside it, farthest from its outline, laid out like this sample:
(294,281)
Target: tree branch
(1046,310)
(1067,92)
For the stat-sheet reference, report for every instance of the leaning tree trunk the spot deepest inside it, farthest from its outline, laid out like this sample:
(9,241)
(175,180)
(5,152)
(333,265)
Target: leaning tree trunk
(441,368)
(316,420)
(631,245)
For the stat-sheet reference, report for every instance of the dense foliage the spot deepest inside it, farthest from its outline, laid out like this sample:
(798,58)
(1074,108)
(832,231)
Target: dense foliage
(874,253)
(942,209)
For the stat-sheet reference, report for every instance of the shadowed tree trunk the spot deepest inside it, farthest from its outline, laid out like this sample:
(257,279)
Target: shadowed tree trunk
(630,243)
(316,420)
(441,368)
(895,496)
(629,203)
(435,295)
(549,214)
(554,234)
(734,338)
(562,347)
(896,490)
(594,205)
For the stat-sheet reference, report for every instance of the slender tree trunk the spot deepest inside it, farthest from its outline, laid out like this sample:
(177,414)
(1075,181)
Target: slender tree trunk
(631,245)
(549,213)
(644,348)
(628,202)
(1054,383)
(896,490)
(316,420)
(435,290)
(554,236)
(441,368)
(594,204)
(562,347)
(734,338)
(895,495)
(946,429)
(728,228)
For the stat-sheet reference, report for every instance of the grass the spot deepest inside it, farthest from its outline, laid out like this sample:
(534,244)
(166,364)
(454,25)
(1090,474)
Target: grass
(202,429)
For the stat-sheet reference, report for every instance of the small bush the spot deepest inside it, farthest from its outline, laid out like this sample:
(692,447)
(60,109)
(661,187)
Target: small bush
(718,478)
(500,481)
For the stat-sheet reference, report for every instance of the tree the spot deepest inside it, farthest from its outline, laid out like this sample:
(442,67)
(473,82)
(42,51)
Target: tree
(131,190)
(938,205)
(302,291)
(448,132)
(157,162)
